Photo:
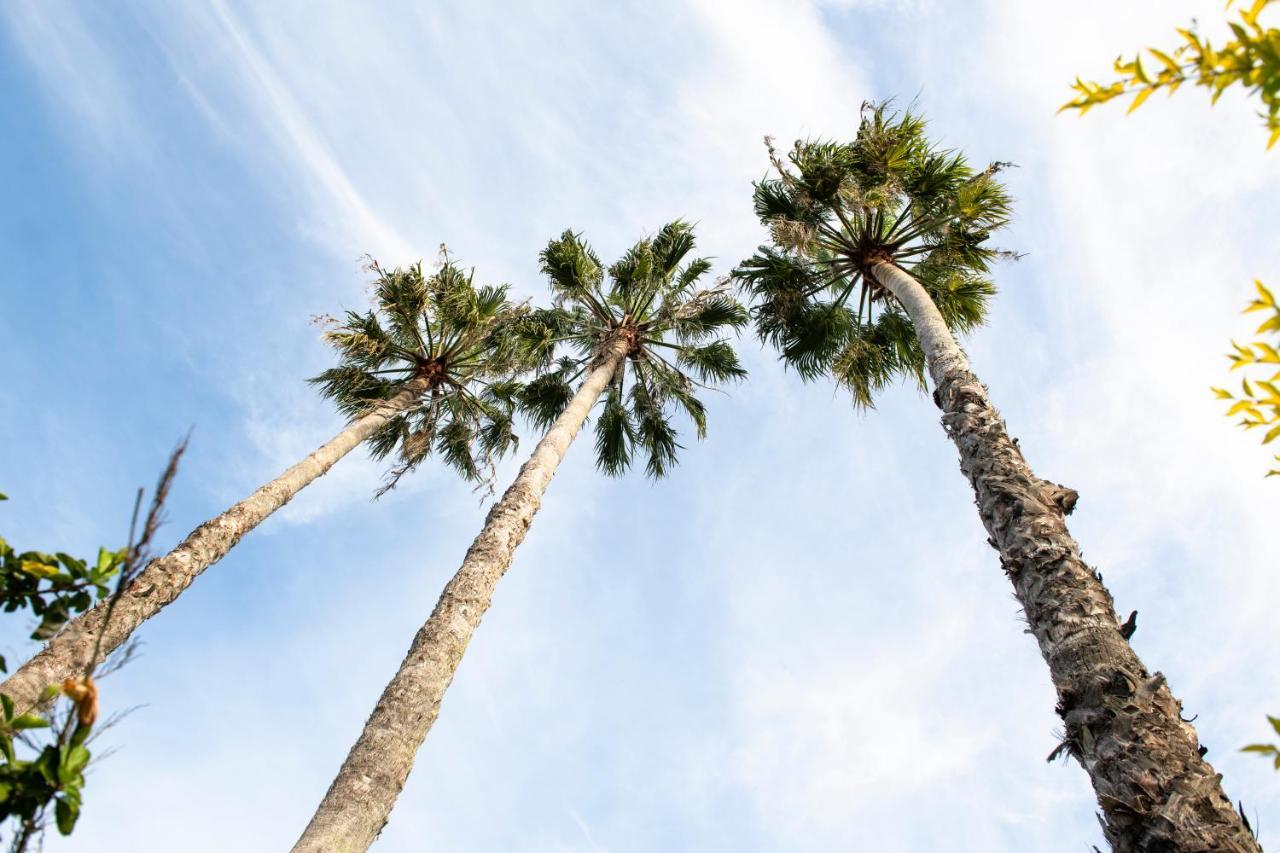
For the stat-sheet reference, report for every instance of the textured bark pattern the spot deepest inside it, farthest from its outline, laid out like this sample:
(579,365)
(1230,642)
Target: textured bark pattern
(1156,791)
(357,804)
(165,578)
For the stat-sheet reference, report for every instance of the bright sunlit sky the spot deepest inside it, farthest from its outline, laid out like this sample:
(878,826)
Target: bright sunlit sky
(800,641)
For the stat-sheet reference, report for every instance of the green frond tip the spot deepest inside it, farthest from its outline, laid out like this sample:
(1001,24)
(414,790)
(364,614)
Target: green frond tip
(683,332)
(834,210)
(470,343)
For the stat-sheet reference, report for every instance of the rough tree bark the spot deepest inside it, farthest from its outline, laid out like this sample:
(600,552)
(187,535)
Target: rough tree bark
(357,804)
(165,578)
(1156,791)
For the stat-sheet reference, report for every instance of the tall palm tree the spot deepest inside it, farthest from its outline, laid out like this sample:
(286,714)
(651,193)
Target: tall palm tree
(428,371)
(879,252)
(643,343)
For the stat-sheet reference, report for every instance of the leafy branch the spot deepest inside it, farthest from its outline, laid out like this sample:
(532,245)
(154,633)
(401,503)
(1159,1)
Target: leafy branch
(1251,59)
(53,586)
(1267,749)
(55,776)
(1258,404)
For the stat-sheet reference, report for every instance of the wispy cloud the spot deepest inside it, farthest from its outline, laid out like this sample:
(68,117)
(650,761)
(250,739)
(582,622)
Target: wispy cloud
(301,146)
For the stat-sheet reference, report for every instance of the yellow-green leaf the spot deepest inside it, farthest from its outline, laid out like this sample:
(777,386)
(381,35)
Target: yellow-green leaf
(40,570)
(1169,62)
(1251,17)
(1138,99)
(1139,72)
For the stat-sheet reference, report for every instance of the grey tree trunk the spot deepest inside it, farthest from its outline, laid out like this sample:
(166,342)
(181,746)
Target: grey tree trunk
(357,804)
(165,578)
(1156,791)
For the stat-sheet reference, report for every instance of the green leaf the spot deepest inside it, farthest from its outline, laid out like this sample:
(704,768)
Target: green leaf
(8,706)
(29,721)
(66,816)
(80,735)
(1263,748)
(76,760)
(1275,723)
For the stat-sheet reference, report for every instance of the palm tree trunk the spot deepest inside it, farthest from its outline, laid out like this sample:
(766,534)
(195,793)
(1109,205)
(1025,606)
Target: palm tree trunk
(357,804)
(164,579)
(1156,791)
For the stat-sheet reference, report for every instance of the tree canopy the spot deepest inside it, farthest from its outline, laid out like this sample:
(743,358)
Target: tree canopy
(677,334)
(461,338)
(833,211)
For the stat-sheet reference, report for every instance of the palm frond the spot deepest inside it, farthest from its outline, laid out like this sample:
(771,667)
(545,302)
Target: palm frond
(670,246)
(572,266)
(651,299)
(545,398)
(653,432)
(467,340)
(713,362)
(615,435)
(835,210)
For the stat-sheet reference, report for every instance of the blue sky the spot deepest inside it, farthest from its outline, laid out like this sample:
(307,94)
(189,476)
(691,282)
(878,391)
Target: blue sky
(798,642)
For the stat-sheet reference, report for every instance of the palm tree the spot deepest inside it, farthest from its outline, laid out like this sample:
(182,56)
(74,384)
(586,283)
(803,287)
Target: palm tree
(644,343)
(428,371)
(879,252)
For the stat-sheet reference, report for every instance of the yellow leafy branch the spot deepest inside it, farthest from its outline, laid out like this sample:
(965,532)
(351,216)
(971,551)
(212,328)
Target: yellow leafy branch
(1258,404)
(1251,59)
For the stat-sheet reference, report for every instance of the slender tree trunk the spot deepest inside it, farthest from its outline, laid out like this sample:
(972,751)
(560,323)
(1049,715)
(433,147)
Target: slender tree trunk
(357,805)
(164,579)
(1156,791)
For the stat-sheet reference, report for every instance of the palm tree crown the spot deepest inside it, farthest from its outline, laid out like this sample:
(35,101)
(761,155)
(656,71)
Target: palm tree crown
(675,333)
(836,211)
(459,339)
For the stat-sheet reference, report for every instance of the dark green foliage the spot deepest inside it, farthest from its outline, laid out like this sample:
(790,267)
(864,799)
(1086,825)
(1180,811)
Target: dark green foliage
(55,775)
(53,586)
(652,296)
(456,334)
(834,211)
